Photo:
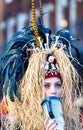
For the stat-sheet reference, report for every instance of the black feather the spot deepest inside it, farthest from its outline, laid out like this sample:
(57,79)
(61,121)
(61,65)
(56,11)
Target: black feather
(14,61)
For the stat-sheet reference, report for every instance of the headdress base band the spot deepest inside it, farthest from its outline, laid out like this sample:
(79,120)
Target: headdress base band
(53,74)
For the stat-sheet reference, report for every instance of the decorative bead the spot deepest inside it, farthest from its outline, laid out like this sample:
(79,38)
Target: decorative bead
(51,59)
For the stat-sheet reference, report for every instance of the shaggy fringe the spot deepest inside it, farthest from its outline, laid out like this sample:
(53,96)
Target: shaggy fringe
(28,114)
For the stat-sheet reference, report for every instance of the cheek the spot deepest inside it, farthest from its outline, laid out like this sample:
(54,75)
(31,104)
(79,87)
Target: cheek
(60,92)
(46,93)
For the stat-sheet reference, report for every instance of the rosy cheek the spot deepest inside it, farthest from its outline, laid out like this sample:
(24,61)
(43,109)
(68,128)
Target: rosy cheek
(46,94)
(60,93)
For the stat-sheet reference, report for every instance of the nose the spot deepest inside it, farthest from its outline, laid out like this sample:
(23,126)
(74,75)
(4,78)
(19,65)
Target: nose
(53,91)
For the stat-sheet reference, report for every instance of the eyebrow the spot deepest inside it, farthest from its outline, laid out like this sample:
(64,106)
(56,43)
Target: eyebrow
(47,83)
(55,83)
(58,82)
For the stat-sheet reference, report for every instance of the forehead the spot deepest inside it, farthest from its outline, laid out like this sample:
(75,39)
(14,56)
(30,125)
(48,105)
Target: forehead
(52,80)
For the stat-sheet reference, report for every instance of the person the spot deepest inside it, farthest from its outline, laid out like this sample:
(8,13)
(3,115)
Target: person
(28,113)
(23,72)
(52,88)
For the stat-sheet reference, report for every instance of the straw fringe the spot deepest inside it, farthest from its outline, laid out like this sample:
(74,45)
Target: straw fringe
(29,114)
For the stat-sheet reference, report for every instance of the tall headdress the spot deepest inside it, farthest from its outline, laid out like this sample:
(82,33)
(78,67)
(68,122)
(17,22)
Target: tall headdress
(15,59)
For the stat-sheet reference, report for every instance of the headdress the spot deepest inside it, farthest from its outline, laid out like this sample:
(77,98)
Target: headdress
(67,39)
(51,67)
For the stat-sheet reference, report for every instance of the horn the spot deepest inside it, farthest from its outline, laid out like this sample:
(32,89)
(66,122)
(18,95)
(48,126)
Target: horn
(34,23)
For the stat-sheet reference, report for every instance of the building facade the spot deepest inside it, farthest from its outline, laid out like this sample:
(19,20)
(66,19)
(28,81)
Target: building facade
(57,14)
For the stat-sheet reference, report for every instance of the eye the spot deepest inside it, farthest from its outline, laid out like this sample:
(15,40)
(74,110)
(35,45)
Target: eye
(46,86)
(58,85)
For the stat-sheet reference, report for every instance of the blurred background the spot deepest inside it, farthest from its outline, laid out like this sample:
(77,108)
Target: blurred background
(15,14)
(57,14)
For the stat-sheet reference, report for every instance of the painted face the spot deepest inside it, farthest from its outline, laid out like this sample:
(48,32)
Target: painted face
(53,87)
